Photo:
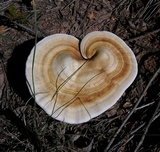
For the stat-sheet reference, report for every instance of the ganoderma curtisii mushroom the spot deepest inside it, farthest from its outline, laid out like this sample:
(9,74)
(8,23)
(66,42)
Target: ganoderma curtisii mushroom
(76,81)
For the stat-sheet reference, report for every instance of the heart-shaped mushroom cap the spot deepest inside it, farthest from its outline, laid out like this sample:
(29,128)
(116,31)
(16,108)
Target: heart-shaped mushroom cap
(76,81)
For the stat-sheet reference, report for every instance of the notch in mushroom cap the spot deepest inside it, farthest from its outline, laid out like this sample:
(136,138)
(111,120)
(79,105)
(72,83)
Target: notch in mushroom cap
(74,85)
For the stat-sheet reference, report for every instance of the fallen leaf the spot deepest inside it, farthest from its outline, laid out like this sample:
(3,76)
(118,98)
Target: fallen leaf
(12,13)
(90,16)
(2,28)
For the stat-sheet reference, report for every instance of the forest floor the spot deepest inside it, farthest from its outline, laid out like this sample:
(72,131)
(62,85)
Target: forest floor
(132,124)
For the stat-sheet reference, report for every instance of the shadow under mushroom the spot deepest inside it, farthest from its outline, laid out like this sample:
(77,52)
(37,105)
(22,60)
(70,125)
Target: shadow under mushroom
(16,69)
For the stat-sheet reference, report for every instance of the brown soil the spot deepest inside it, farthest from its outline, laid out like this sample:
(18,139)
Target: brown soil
(131,125)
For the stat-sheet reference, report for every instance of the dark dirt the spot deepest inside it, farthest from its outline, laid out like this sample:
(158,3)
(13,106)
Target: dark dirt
(24,128)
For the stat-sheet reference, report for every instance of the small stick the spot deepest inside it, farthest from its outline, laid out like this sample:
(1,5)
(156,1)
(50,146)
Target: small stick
(148,125)
(156,117)
(146,105)
(39,34)
(128,137)
(134,108)
(142,36)
(4,5)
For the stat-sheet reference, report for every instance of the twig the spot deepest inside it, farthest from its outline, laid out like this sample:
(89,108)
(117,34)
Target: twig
(152,10)
(32,32)
(4,96)
(145,9)
(158,115)
(69,3)
(128,137)
(148,125)
(133,132)
(4,5)
(147,48)
(134,108)
(142,36)
(146,105)
(11,23)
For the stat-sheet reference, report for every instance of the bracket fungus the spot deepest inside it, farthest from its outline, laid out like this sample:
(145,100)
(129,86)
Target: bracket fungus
(76,81)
